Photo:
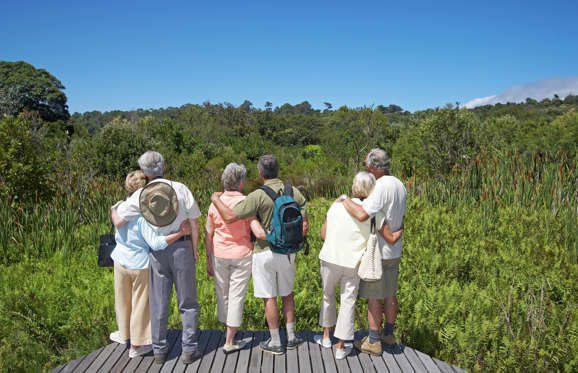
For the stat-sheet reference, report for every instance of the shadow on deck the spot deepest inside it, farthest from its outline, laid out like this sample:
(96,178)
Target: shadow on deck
(309,357)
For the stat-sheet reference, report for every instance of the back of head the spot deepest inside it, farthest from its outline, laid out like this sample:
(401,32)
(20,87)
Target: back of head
(134,181)
(363,184)
(233,176)
(268,166)
(152,163)
(378,159)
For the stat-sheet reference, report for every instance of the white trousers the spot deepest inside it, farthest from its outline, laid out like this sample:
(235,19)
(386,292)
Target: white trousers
(231,281)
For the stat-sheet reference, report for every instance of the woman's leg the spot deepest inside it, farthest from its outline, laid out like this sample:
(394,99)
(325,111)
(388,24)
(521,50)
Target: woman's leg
(344,329)
(140,320)
(328,309)
(122,300)
(238,282)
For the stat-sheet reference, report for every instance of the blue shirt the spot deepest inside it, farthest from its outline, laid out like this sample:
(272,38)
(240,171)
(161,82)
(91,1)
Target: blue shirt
(132,244)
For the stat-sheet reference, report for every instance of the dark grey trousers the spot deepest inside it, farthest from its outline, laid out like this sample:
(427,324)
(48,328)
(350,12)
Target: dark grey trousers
(175,264)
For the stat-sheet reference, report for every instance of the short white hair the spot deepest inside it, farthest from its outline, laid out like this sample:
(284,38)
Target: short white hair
(152,163)
(363,184)
(233,175)
(378,159)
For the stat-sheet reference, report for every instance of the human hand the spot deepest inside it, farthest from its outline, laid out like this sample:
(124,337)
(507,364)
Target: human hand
(195,255)
(185,228)
(215,196)
(341,198)
(116,205)
(210,270)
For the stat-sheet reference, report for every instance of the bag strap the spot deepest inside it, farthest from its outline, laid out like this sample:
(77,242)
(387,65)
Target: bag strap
(270,192)
(372,229)
(111,229)
(288,189)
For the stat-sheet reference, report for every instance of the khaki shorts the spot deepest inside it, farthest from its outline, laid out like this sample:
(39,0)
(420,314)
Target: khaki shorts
(273,274)
(386,287)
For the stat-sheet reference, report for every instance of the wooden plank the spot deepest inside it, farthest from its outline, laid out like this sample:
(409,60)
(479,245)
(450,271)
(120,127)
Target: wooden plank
(220,356)
(444,367)
(280,361)
(72,365)
(97,363)
(414,360)
(428,362)
(209,354)
(122,361)
(459,370)
(315,353)
(390,362)
(203,342)
(148,361)
(364,358)
(401,359)
(378,364)
(267,361)
(292,358)
(303,358)
(244,355)
(112,358)
(57,369)
(256,353)
(328,359)
(87,361)
(342,365)
(173,355)
(353,361)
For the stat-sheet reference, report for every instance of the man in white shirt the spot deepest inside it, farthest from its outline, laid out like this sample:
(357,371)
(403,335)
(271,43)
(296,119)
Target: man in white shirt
(388,197)
(175,264)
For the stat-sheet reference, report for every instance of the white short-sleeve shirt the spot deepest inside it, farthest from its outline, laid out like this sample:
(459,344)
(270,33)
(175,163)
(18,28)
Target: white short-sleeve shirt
(389,197)
(188,207)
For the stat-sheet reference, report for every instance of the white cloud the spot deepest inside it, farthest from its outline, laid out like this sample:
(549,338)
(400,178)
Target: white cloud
(537,90)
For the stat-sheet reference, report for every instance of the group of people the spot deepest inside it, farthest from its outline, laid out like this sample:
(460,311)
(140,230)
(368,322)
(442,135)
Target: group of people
(157,239)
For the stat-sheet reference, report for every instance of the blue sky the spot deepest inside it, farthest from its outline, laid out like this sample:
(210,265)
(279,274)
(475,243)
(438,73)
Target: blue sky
(140,54)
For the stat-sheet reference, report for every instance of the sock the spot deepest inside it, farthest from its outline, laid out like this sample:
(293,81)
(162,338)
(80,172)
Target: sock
(373,336)
(290,331)
(388,330)
(275,338)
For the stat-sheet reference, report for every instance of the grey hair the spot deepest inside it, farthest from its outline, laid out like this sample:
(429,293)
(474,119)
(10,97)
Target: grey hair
(152,163)
(233,175)
(378,159)
(268,166)
(363,184)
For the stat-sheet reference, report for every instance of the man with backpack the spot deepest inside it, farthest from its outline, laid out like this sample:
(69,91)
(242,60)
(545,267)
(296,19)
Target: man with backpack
(280,208)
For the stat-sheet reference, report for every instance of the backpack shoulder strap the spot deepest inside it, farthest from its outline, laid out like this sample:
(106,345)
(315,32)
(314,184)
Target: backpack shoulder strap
(270,192)
(287,189)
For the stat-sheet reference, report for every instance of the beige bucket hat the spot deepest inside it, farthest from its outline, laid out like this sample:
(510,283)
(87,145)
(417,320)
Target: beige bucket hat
(159,204)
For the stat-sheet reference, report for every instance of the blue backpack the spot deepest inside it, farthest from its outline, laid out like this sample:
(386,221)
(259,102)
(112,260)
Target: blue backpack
(286,231)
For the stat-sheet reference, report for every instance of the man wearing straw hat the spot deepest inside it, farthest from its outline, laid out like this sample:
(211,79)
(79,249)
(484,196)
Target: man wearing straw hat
(165,204)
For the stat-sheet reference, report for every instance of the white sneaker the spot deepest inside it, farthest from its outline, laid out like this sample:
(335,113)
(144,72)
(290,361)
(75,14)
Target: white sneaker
(239,345)
(142,350)
(323,342)
(341,353)
(115,337)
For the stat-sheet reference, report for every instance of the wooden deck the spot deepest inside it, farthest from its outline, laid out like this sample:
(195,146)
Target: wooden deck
(308,358)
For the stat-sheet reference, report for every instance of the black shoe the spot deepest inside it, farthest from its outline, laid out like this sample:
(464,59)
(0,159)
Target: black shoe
(160,358)
(276,350)
(292,344)
(191,357)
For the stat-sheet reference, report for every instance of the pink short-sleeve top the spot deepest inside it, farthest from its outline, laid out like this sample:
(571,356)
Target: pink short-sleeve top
(231,241)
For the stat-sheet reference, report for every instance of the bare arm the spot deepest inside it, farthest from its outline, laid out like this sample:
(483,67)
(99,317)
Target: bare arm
(226,213)
(209,231)
(353,208)
(117,221)
(258,230)
(185,229)
(323,230)
(195,237)
(390,237)
(305,225)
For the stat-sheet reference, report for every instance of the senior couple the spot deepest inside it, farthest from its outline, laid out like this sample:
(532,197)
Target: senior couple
(378,198)
(162,214)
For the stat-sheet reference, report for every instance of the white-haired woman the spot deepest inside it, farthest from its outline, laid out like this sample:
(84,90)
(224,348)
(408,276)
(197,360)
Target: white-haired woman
(229,255)
(345,241)
(131,273)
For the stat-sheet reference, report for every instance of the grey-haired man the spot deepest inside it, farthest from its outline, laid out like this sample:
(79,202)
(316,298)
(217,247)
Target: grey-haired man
(389,197)
(175,264)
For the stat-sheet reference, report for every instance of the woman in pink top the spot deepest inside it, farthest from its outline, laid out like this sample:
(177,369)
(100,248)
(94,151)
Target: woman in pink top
(230,255)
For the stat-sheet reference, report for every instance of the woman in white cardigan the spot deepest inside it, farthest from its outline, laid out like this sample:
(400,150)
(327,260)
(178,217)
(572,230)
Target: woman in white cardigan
(345,241)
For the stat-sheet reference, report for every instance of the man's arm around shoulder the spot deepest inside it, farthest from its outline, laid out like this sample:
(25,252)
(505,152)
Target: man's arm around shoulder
(226,213)
(353,208)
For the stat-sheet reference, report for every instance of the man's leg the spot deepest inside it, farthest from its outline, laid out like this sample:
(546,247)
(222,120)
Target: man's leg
(374,318)
(161,286)
(272,317)
(286,269)
(186,289)
(390,273)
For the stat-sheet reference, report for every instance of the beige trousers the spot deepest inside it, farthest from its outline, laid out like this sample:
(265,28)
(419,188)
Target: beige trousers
(231,281)
(331,276)
(131,303)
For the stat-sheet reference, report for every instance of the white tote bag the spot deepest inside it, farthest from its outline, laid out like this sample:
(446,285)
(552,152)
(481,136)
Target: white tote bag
(370,264)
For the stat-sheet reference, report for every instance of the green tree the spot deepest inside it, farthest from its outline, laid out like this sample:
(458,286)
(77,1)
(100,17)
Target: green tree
(23,87)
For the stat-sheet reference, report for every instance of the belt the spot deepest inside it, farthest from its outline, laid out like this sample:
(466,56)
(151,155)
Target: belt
(185,238)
